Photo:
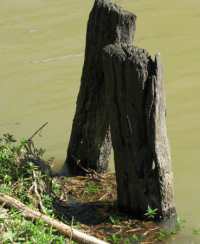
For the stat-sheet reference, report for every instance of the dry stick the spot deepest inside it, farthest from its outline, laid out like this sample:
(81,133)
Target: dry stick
(29,213)
(35,189)
(38,130)
(150,230)
(30,144)
(30,141)
(37,193)
(52,239)
(89,171)
(71,229)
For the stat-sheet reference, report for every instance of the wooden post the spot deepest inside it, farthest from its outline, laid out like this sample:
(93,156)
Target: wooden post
(136,104)
(90,142)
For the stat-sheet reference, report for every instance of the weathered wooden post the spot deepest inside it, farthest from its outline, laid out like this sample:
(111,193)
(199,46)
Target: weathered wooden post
(90,142)
(136,104)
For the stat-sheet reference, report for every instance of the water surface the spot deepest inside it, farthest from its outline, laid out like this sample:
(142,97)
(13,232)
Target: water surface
(42,45)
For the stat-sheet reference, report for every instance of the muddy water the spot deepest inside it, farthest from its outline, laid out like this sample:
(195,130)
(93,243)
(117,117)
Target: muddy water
(41,57)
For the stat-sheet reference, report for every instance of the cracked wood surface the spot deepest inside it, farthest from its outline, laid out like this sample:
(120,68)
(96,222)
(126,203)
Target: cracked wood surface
(136,104)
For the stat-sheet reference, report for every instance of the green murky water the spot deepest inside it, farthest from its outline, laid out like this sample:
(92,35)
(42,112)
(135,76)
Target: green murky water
(41,57)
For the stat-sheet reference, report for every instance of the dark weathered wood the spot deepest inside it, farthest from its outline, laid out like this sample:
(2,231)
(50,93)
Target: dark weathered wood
(90,141)
(136,104)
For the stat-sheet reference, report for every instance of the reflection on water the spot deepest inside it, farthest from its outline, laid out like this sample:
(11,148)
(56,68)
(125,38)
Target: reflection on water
(51,34)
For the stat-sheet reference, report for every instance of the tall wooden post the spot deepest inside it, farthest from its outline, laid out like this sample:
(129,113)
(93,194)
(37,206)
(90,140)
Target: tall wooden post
(90,142)
(136,104)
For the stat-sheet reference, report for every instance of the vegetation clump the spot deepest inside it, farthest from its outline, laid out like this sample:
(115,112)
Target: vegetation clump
(28,178)
(23,174)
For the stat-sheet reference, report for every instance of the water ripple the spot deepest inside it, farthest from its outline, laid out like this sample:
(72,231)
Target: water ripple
(55,58)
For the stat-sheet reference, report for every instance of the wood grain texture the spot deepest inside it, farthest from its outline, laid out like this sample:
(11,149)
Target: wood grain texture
(90,141)
(136,104)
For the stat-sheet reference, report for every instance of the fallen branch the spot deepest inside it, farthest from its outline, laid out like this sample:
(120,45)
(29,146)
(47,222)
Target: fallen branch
(31,214)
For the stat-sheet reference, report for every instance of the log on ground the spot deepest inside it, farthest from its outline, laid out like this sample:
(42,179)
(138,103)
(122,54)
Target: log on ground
(31,214)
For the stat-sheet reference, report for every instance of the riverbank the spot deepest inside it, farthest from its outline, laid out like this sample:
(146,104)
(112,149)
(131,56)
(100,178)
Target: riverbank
(84,203)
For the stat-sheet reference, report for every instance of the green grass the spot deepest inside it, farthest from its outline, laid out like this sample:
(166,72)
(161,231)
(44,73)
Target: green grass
(21,168)
(16,229)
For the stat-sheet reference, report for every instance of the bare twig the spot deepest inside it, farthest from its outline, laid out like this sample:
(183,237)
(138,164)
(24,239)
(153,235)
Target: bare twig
(52,239)
(150,230)
(37,193)
(71,229)
(38,130)
(89,170)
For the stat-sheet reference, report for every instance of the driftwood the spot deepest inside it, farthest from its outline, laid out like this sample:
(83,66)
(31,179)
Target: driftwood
(31,214)
(90,141)
(136,105)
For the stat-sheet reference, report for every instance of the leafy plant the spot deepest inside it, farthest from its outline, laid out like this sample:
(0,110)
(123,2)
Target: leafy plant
(179,224)
(47,200)
(64,177)
(165,235)
(9,138)
(196,231)
(151,213)
(91,188)
(132,239)
(56,187)
(115,239)
(114,220)
(162,235)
